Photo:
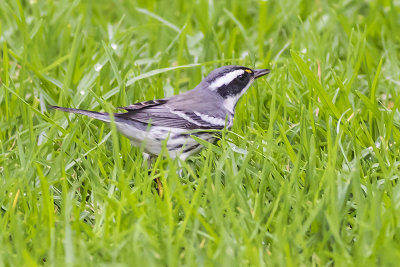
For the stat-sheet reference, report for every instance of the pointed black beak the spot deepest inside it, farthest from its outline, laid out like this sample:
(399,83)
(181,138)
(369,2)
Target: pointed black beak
(260,72)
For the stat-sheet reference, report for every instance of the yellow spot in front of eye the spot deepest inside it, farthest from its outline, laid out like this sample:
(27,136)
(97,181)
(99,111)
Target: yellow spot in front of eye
(249,71)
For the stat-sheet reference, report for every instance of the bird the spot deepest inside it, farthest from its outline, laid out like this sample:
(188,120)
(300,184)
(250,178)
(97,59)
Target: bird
(200,112)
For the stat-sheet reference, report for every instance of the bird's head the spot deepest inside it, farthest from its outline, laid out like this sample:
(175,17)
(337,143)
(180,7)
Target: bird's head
(231,82)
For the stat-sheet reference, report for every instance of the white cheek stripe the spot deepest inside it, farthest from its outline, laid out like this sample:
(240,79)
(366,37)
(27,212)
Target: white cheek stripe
(226,79)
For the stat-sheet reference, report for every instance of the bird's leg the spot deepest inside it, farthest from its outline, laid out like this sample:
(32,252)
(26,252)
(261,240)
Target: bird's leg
(159,188)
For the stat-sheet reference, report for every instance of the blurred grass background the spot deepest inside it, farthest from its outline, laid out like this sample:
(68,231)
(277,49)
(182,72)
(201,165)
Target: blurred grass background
(307,176)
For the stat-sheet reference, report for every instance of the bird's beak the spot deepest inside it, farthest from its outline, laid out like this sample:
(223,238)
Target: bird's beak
(260,72)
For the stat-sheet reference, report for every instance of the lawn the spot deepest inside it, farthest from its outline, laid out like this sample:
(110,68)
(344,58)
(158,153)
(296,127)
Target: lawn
(308,175)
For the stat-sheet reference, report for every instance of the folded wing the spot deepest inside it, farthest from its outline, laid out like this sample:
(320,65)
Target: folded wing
(166,116)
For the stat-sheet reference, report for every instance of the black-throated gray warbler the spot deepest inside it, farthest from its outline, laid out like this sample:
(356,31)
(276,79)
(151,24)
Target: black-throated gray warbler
(209,106)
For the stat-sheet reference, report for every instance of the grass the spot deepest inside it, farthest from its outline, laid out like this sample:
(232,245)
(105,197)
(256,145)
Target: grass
(307,176)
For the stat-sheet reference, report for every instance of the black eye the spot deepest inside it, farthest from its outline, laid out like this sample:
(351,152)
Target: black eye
(242,77)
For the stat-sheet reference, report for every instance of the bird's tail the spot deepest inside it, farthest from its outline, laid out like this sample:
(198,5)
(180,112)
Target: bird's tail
(103,116)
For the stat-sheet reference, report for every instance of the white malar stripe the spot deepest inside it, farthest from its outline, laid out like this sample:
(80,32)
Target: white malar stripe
(226,79)
(231,101)
(211,120)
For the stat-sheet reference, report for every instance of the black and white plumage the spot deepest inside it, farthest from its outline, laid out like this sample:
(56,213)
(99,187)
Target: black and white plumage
(209,106)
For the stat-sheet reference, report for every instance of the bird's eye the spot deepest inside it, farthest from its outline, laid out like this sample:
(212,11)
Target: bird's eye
(242,77)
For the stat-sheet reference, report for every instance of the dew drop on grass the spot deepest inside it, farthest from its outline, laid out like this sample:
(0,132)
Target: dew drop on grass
(41,138)
(114,46)
(244,54)
(98,67)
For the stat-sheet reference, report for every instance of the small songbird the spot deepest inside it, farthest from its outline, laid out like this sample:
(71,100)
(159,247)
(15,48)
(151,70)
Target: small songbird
(208,107)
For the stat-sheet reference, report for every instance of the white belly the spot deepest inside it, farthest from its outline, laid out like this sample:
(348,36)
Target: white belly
(177,141)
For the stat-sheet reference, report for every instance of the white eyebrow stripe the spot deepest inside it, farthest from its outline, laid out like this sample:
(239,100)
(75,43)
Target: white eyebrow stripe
(226,79)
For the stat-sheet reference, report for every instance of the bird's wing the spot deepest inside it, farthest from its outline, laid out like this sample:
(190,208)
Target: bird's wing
(179,111)
(167,116)
(145,104)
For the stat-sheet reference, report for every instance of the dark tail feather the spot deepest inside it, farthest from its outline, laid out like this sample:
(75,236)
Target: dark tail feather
(103,116)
